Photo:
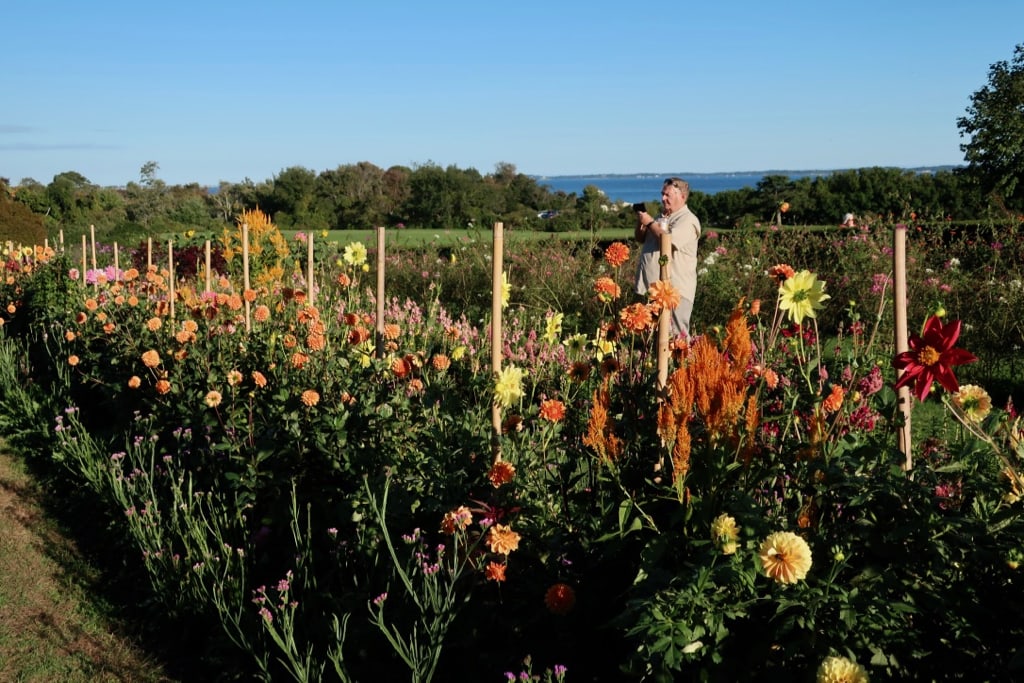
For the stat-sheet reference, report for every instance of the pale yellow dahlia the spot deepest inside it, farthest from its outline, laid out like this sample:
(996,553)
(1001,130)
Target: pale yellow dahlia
(725,533)
(801,295)
(973,401)
(508,387)
(841,670)
(785,557)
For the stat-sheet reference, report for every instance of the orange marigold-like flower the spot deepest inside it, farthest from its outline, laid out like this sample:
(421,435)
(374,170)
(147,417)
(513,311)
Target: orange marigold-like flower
(249,295)
(502,540)
(664,295)
(109,328)
(552,410)
(133,300)
(343,280)
(154,324)
(134,382)
(190,326)
(81,317)
(258,379)
(235,302)
(560,599)
(400,367)
(299,360)
(162,386)
(184,336)
(289,341)
(316,342)
(835,399)
(441,362)
(261,314)
(90,305)
(458,519)
(636,317)
(358,335)
(501,472)
(310,398)
(616,254)
(151,359)
(392,331)
(73,360)
(495,571)
(234,378)
(213,398)
(607,289)
(69,336)
(781,272)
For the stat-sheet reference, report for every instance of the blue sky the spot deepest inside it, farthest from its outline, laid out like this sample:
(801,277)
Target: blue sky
(217,91)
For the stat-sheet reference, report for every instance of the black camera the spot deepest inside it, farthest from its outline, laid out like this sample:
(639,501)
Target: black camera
(640,207)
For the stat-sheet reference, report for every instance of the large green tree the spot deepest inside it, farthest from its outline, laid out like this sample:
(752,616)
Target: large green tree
(995,125)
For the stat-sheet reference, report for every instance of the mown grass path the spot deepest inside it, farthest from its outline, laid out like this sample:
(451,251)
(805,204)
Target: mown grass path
(52,629)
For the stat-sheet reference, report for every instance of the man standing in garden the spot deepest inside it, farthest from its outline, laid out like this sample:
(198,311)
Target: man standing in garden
(677,220)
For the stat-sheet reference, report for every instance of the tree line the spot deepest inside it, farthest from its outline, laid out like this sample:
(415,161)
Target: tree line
(363,195)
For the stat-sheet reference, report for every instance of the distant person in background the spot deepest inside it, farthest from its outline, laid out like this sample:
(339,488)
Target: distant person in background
(848,221)
(677,220)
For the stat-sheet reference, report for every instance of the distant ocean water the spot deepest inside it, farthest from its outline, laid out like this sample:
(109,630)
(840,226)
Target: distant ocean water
(647,186)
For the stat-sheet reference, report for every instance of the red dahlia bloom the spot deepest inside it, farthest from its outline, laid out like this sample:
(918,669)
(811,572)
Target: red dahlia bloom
(931,358)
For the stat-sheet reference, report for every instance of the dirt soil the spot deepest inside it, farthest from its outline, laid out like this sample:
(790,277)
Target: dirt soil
(49,631)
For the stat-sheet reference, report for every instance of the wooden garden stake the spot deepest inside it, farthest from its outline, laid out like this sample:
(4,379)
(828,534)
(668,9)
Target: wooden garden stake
(149,254)
(496,280)
(117,265)
(209,275)
(170,276)
(310,293)
(380,290)
(85,251)
(665,319)
(92,239)
(899,252)
(60,236)
(245,275)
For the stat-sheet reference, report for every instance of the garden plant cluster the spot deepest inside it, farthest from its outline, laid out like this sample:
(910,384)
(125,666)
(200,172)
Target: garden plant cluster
(308,493)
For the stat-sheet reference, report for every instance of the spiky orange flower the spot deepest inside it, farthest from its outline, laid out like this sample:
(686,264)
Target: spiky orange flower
(607,289)
(834,401)
(560,599)
(441,362)
(495,571)
(616,254)
(310,398)
(258,379)
(151,359)
(552,410)
(636,318)
(781,272)
(663,295)
(501,472)
(601,427)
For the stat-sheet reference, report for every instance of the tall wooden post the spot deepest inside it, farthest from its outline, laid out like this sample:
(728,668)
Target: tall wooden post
(665,319)
(170,276)
(85,255)
(899,252)
(497,270)
(310,289)
(380,290)
(209,274)
(245,275)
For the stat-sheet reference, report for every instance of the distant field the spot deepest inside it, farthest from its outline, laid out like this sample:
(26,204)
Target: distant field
(406,237)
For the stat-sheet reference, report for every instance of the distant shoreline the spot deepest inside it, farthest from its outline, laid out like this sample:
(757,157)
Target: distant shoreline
(729,174)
